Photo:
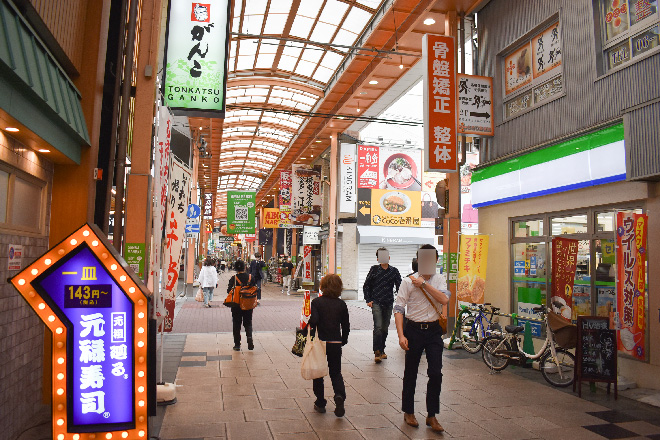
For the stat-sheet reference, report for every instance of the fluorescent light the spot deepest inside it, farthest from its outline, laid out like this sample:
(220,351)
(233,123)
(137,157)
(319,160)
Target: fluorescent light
(12,129)
(318,142)
(373,81)
(429,21)
(43,150)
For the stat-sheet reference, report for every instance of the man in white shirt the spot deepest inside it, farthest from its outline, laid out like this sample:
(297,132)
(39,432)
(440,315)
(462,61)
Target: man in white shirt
(422,333)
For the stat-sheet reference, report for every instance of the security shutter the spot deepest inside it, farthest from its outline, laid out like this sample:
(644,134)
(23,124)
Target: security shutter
(400,257)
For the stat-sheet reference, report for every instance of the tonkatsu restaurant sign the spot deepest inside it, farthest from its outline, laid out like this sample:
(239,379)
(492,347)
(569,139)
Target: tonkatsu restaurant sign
(96,310)
(196,50)
(440,149)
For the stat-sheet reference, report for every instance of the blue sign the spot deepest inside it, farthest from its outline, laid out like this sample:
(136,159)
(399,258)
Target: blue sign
(192,228)
(535,326)
(194,211)
(99,321)
(518,268)
(532,262)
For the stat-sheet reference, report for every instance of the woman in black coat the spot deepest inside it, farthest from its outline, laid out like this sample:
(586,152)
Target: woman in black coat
(238,315)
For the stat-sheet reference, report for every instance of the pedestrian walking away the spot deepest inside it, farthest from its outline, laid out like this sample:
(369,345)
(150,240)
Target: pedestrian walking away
(287,271)
(208,280)
(421,299)
(379,287)
(329,321)
(239,316)
(255,271)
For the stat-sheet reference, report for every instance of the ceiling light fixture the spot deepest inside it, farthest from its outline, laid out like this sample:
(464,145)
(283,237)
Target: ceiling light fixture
(401,65)
(429,21)
(358,107)
(12,129)
(318,142)
(373,82)
(43,150)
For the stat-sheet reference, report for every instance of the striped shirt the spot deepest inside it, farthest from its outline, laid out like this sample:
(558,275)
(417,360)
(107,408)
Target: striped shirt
(380,284)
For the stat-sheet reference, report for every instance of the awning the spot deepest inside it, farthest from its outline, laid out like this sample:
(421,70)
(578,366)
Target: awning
(395,235)
(35,90)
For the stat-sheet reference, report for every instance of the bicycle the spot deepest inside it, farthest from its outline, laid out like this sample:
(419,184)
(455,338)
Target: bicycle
(556,363)
(472,328)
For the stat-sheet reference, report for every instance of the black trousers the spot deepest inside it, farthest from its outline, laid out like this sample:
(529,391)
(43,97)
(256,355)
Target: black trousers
(239,316)
(419,341)
(333,353)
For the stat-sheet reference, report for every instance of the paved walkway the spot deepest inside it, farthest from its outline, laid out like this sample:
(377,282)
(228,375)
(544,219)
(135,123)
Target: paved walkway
(259,394)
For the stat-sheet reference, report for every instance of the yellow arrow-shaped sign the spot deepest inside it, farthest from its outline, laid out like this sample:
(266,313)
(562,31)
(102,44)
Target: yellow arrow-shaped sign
(365,211)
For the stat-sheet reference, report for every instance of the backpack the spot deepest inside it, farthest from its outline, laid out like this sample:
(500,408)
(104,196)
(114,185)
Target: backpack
(242,296)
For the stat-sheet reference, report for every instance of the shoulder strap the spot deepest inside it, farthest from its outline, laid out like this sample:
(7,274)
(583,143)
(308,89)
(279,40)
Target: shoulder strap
(237,280)
(429,299)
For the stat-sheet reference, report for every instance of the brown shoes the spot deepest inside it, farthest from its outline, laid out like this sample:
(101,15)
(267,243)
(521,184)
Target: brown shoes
(383,356)
(411,420)
(377,357)
(434,424)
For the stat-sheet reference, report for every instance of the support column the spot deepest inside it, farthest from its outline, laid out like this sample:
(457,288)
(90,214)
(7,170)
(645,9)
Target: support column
(332,237)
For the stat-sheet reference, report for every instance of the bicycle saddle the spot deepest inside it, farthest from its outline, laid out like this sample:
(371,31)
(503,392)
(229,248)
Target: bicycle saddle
(514,328)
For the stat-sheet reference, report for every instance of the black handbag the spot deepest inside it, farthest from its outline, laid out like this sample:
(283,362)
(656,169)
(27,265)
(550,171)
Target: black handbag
(429,207)
(299,345)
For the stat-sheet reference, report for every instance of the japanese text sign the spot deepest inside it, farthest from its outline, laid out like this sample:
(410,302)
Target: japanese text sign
(475,105)
(196,53)
(95,308)
(306,195)
(440,149)
(208,206)
(285,191)
(472,268)
(240,212)
(381,207)
(348,188)
(367,173)
(307,264)
(631,237)
(271,217)
(564,265)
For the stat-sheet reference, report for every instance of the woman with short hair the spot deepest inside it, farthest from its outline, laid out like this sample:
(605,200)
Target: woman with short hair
(238,315)
(208,280)
(329,315)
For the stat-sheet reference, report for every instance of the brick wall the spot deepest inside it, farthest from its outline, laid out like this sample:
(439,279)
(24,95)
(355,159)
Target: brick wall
(21,331)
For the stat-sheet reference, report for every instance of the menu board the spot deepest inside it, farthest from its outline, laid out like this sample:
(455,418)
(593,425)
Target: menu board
(596,353)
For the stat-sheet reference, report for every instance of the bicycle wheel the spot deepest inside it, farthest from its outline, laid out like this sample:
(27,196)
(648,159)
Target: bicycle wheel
(558,372)
(470,335)
(492,346)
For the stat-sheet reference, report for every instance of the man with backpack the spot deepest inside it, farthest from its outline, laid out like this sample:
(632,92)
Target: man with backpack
(379,287)
(256,267)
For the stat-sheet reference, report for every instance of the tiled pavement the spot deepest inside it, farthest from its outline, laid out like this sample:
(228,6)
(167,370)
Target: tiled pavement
(222,394)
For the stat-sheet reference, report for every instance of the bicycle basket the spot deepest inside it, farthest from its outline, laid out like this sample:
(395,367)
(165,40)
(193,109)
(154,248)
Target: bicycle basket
(565,333)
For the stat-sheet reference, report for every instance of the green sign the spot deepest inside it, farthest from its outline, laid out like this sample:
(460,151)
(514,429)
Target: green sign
(196,57)
(134,254)
(240,212)
(451,273)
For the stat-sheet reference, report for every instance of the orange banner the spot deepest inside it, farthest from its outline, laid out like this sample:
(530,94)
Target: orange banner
(631,236)
(440,149)
(271,218)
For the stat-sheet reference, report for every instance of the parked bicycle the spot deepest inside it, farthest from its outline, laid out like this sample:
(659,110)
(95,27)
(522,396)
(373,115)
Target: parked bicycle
(475,326)
(556,362)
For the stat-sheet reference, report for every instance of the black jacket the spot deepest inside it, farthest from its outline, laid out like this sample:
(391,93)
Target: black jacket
(380,284)
(243,278)
(330,316)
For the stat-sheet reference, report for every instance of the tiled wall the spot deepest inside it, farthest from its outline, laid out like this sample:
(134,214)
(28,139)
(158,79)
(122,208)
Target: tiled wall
(21,332)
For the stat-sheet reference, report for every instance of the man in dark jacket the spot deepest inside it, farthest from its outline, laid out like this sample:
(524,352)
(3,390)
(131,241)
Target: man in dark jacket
(379,289)
(255,270)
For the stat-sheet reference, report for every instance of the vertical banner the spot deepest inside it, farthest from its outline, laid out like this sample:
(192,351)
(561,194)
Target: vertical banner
(564,264)
(440,149)
(631,236)
(367,173)
(307,264)
(271,218)
(177,211)
(472,268)
(285,191)
(306,310)
(196,50)
(208,206)
(306,197)
(265,237)
(162,172)
(240,212)
(348,188)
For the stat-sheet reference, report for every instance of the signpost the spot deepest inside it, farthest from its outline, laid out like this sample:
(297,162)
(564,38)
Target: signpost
(96,310)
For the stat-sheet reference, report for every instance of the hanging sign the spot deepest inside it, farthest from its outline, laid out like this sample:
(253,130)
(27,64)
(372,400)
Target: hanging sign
(307,264)
(265,237)
(367,166)
(306,196)
(285,191)
(311,235)
(475,105)
(348,194)
(631,237)
(440,149)
(240,212)
(177,208)
(271,217)
(564,265)
(472,264)
(196,51)
(306,311)
(208,206)
(96,311)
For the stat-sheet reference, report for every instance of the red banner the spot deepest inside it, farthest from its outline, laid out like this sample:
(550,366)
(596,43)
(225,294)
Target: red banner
(631,236)
(307,264)
(440,149)
(367,166)
(285,191)
(564,264)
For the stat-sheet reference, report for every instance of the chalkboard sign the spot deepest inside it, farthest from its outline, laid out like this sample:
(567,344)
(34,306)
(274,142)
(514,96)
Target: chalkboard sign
(596,352)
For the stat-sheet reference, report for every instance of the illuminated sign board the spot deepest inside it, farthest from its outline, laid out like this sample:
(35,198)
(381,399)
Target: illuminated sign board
(196,49)
(96,310)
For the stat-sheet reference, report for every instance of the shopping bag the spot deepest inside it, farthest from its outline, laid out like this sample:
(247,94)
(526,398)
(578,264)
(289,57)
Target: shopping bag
(429,207)
(299,345)
(314,363)
(199,296)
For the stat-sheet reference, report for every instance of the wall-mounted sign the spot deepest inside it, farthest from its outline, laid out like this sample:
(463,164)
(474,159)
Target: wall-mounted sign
(440,149)
(311,235)
(135,256)
(240,212)
(348,187)
(475,105)
(518,69)
(271,217)
(367,166)
(96,311)
(196,51)
(15,257)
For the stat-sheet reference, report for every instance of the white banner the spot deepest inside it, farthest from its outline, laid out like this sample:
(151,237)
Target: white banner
(177,206)
(348,192)
(162,171)
(306,195)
